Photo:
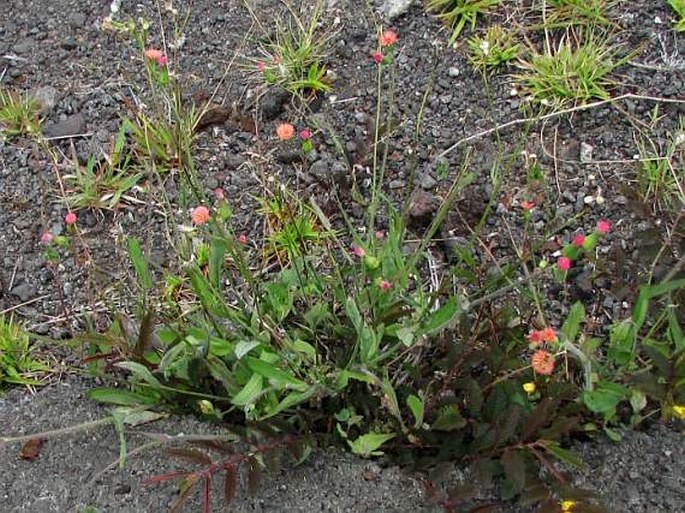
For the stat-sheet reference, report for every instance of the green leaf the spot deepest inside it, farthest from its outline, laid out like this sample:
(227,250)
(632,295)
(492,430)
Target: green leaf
(346,375)
(250,392)
(605,397)
(449,419)
(622,343)
(571,326)
(216,261)
(245,346)
(274,375)
(135,417)
(292,399)
(367,445)
(391,397)
(141,372)
(120,397)
(417,408)
(139,263)
(514,469)
(562,454)
(441,317)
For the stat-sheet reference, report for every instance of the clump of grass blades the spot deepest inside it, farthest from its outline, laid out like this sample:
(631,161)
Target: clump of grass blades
(679,7)
(17,365)
(577,70)
(565,13)
(458,13)
(18,114)
(294,56)
(495,48)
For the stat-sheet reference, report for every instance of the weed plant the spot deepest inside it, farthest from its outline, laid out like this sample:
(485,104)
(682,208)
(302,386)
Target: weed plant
(566,13)
(18,366)
(457,14)
(497,47)
(679,7)
(18,114)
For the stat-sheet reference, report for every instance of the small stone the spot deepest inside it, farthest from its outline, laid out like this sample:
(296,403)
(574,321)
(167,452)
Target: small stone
(24,292)
(453,71)
(70,44)
(77,19)
(69,127)
(397,184)
(288,156)
(273,102)
(428,182)
(422,207)
(395,8)
(585,153)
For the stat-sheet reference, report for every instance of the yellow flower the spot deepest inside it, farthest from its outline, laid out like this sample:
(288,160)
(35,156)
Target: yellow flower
(679,411)
(529,388)
(566,506)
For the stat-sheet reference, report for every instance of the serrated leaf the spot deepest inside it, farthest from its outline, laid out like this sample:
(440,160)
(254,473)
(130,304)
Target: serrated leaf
(514,466)
(189,455)
(368,444)
(562,454)
(449,418)
(230,484)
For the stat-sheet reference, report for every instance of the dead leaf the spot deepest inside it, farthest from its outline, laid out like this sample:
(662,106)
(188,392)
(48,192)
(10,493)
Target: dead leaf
(31,449)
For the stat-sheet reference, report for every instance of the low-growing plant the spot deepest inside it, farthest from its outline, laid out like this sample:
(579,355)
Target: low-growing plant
(295,55)
(494,49)
(679,7)
(565,13)
(460,13)
(578,69)
(18,114)
(102,182)
(18,366)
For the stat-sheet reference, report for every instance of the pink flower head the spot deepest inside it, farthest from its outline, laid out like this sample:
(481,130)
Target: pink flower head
(358,251)
(380,234)
(384,285)
(305,134)
(542,362)
(535,337)
(603,226)
(242,238)
(261,66)
(377,57)
(578,240)
(200,215)
(285,131)
(527,205)
(70,218)
(388,38)
(156,55)
(548,334)
(219,194)
(46,238)
(564,263)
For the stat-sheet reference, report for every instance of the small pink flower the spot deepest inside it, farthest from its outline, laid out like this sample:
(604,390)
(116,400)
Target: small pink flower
(564,263)
(219,194)
(200,215)
(535,337)
(70,218)
(156,55)
(305,134)
(542,362)
(388,38)
(380,235)
(242,238)
(285,131)
(377,57)
(261,66)
(384,285)
(603,226)
(46,238)
(358,251)
(527,205)
(578,240)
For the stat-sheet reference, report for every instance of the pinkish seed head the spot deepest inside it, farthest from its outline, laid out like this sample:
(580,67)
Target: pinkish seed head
(603,226)
(46,238)
(579,240)
(70,218)
(564,263)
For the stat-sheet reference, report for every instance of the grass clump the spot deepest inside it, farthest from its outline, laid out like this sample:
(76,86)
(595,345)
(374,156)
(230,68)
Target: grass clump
(18,114)
(577,70)
(565,13)
(294,55)
(17,364)
(497,47)
(460,13)
(679,7)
